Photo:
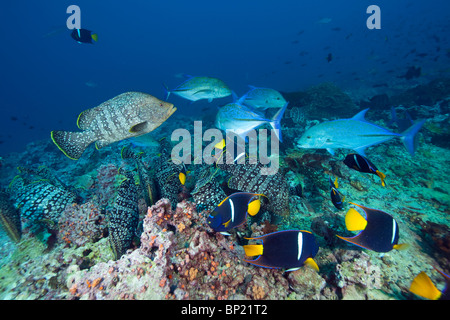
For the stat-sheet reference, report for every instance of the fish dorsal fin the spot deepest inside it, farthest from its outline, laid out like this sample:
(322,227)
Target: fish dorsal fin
(252,250)
(424,287)
(360,115)
(311,263)
(254,206)
(354,221)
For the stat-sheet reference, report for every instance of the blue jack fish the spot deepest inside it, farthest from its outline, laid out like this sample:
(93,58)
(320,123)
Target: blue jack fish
(263,98)
(289,249)
(197,88)
(355,133)
(239,119)
(378,231)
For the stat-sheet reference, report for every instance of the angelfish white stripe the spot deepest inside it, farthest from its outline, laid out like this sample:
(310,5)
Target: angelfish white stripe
(394,230)
(232,210)
(356,160)
(300,245)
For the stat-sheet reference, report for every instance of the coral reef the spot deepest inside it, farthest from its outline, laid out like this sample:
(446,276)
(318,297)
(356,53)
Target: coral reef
(175,255)
(80,224)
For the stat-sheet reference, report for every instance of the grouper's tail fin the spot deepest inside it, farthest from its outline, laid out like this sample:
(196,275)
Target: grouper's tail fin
(72,144)
(408,136)
(275,123)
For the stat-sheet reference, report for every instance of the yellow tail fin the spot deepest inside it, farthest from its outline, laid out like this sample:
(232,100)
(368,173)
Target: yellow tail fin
(402,246)
(182,178)
(253,250)
(95,37)
(354,221)
(424,287)
(254,206)
(311,263)
(382,176)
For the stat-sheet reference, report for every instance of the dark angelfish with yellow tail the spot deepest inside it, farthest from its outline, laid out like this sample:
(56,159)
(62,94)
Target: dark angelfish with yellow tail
(124,218)
(336,197)
(233,210)
(378,230)
(425,288)
(362,164)
(288,249)
(84,36)
(127,115)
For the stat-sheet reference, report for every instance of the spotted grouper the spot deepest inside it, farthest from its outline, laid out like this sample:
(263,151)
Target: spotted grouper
(127,115)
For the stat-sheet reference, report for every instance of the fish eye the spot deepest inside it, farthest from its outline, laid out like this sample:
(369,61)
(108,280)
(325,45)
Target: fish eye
(308,137)
(278,98)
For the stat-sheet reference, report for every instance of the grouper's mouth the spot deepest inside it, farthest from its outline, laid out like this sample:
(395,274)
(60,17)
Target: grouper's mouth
(172,110)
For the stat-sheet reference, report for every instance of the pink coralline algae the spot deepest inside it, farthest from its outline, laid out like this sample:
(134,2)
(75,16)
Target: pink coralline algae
(80,224)
(179,258)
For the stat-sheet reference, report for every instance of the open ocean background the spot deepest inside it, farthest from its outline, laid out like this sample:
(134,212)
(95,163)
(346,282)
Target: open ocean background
(48,78)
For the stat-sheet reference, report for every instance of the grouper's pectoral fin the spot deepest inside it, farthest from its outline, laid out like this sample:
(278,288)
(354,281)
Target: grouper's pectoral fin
(73,144)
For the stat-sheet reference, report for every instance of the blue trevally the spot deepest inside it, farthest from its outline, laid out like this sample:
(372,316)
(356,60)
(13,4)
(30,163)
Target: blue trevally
(355,133)
(240,119)
(263,98)
(197,88)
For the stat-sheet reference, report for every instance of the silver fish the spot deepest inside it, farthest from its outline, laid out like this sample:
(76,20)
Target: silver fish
(355,133)
(263,98)
(197,88)
(240,119)
(127,115)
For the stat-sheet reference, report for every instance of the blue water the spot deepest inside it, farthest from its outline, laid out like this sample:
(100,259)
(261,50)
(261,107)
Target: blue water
(142,44)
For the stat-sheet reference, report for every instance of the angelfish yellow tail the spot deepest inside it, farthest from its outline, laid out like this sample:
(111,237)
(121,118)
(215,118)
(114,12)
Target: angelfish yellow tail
(424,287)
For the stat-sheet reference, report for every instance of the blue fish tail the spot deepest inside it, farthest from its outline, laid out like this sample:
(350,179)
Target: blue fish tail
(275,123)
(408,136)
(166,92)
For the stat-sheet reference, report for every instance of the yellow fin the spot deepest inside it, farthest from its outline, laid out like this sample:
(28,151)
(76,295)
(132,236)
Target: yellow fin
(311,263)
(220,145)
(336,183)
(182,178)
(402,246)
(354,221)
(254,206)
(226,224)
(424,287)
(253,250)
(382,176)
(95,37)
